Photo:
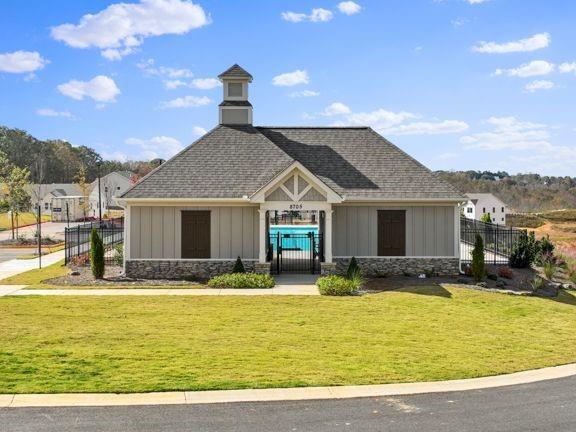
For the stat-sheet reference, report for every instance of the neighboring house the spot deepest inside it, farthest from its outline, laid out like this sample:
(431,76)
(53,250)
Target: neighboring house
(479,204)
(67,208)
(111,186)
(44,193)
(217,200)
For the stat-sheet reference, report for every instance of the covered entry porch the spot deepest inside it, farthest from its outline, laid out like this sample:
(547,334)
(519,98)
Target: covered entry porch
(298,239)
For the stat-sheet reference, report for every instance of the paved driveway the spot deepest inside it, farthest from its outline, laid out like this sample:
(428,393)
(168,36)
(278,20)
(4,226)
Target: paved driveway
(9,254)
(547,406)
(52,229)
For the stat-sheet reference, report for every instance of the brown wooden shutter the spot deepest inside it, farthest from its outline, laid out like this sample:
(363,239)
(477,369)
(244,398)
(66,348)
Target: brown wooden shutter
(391,233)
(195,234)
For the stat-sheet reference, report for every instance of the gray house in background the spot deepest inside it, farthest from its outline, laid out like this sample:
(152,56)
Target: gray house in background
(228,194)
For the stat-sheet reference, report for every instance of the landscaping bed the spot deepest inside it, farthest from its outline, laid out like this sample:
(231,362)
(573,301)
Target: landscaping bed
(169,343)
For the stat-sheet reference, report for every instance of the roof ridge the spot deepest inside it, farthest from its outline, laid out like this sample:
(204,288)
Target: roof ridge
(313,127)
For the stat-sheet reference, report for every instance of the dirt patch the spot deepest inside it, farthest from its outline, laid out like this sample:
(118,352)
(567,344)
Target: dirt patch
(114,276)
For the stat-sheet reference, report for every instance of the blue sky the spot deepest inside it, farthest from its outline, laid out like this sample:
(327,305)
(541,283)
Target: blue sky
(458,84)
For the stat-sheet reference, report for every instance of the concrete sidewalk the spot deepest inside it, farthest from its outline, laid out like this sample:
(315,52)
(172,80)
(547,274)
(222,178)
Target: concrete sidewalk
(309,290)
(283,394)
(16,266)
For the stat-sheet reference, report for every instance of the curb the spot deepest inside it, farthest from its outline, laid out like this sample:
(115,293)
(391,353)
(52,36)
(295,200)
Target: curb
(282,394)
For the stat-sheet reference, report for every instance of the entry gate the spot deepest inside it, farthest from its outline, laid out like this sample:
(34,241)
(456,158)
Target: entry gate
(297,253)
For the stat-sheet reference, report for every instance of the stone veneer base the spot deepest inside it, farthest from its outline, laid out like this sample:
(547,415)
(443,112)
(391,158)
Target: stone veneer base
(179,269)
(383,266)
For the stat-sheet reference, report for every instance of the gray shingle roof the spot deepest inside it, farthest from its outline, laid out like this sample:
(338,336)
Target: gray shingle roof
(234,161)
(235,71)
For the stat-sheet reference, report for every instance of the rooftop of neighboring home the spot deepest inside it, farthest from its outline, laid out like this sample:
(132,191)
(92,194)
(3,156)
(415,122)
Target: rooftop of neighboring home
(475,197)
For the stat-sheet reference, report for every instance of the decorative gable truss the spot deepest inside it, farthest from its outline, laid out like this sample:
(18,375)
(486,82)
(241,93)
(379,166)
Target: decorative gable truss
(296,185)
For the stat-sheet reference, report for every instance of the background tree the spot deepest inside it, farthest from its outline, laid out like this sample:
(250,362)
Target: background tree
(17,196)
(486,218)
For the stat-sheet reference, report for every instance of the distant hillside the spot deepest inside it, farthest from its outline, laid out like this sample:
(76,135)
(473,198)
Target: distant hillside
(522,192)
(57,161)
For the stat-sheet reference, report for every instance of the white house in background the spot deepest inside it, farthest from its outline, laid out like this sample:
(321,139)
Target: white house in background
(45,193)
(67,208)
(111,186)
(479,204)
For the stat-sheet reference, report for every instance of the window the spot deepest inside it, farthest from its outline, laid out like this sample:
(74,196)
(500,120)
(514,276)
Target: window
(45,206)
(118,188)
(502,219)
(105,189)
(493,209)
(493,219)
(469,210)
(235,89)
(483,209)
(502,209)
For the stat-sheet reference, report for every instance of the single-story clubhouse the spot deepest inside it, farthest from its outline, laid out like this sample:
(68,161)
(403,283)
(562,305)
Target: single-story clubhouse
(302,199)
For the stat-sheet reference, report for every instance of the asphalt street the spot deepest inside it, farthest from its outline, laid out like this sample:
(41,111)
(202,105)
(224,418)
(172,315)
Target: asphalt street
(548,406)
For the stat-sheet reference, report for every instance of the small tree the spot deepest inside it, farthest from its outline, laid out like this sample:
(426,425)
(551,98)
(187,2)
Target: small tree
(84,187)
(238,266)
(524,251)
(478,268)
(17,196)
(353,269)
(96,255)
(486,218)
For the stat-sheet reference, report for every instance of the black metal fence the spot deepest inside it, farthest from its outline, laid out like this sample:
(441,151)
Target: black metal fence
(296,252)
(77,240)
(498,240)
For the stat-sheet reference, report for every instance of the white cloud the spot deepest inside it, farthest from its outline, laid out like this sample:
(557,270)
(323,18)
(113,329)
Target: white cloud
(206,83)
(539,85)
(509,134)
(22,62)
(100,88)
(477,1)
(122,27)
(49,112)
(336,108)
(294,17)
(538,41)
(523,144)
(147,66)
(447,156)
(534,68)
(567,67)
(156,147)
(428,128)
(349,7)
(186,102)
(392,123)
(199,131)
(174,84)
(317,15)
(459,22)
(289,79)
(304,93)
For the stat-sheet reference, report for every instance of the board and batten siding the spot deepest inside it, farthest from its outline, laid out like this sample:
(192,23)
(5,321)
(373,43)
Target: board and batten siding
(155,232)
(429,230)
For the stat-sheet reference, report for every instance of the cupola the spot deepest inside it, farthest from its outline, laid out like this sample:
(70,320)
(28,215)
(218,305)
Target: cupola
(235,109)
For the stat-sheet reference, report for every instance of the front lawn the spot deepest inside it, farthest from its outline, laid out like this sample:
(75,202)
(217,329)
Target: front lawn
(23,220)
(138,344)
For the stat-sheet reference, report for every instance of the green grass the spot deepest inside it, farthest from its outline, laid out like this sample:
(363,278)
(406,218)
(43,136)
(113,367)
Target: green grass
(23,219)
(138,344)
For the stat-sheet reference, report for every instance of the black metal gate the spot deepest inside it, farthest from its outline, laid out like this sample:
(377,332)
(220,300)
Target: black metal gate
(298,253)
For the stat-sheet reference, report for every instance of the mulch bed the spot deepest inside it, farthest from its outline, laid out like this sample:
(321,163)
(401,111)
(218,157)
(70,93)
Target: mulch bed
(113,277)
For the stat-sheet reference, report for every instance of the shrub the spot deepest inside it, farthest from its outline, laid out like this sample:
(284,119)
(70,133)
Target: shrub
(242,280)
(572,275)
(119,254)
(478,268)
(96,255)
(545,246)
(537,283)
(334,285)
(353,269)
(505,272)
(550,270)
(486,218)
(80,260)
(238,266)
(523,252)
